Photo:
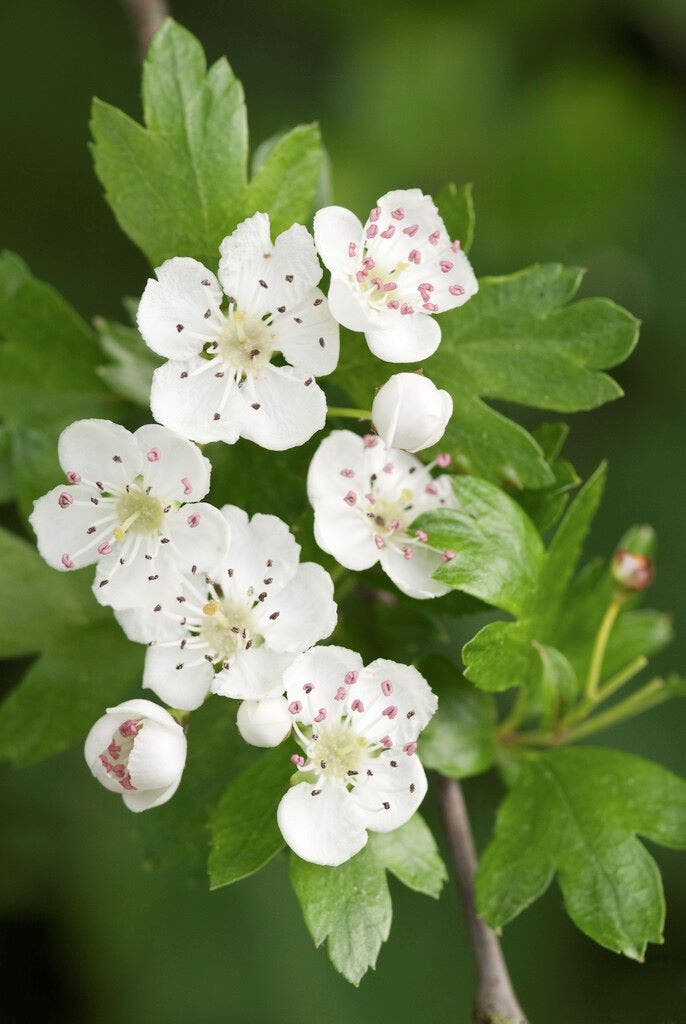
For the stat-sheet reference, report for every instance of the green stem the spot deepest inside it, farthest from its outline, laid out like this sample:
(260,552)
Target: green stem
(511,721)
(611,686)
(343,412)
(649,696)
(600,646)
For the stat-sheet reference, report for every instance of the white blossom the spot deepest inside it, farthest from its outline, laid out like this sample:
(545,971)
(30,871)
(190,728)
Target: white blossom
(390,276)
(125,507)
(358,729)
(220,383)
(365,498)
(410,412)
(264,723)
(139,751)
(236,628)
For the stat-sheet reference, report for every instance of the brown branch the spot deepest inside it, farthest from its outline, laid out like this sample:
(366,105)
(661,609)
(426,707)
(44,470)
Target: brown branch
(495,1001)
(146,17)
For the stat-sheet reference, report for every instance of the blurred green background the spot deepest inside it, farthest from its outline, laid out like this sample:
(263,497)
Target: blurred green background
(569,120)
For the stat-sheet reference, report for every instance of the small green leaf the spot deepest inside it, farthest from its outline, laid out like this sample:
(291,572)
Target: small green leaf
(130,371)
(558,686)
(459,741)
(498,553)
(349,907)
(576,812)
(81,672)
(410,853)
(456,207)
(287,179)
(245,834)
(500,656)
(565,548)
(179,185)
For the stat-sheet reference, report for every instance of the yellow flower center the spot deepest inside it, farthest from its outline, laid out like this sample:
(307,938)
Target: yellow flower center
(337,751)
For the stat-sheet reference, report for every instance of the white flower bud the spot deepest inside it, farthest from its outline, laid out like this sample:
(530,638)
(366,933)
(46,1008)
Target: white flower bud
(410,412)
(264,723)
(138,750)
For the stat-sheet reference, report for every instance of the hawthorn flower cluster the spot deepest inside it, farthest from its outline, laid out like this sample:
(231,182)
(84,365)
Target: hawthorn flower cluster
(223,602)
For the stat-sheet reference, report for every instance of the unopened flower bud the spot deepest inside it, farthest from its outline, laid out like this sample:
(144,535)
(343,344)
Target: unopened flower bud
(410,412)
(264,723)
(139,751)
(631,570)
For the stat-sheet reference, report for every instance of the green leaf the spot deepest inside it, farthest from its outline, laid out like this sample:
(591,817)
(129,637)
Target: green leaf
(178,185)
(7,487)
(456,207)
(287,180)
(565,548)
(37,603)
(558,686)
(245,834)
(130,371)
(500,656)
(349,907)
(83,671)
(516,340)
(176,835)
(410,853)
(545,505)
(460,740)
(576,812)
(498,553)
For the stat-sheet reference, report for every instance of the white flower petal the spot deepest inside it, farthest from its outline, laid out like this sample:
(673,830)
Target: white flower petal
(348,307)
(253,674)
(284,410)
(158,756)
(308,335)
(403,339)
(391,796)
(261,276)
(398,702)
(301,614)
(338,237)
(184,687)
(413,575)
(97,741)
(179,312)
(98,450)
(323,671)
(343,533)
(410,412)
(186,397)
(137,800)
(260,550)
(325,828)
(199,536)
(61,520)
(264,723)
(144,625)
(173,467)
(342,463)
(139,582)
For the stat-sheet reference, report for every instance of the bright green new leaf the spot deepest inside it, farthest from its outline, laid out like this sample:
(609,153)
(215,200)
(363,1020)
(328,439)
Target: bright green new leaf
(545,506)
(498,552)
(349,907)
(516,340)
(500,656)
(558,686)
(410,853)
(180,184)
(245,834)
(576,813)
(460,739)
